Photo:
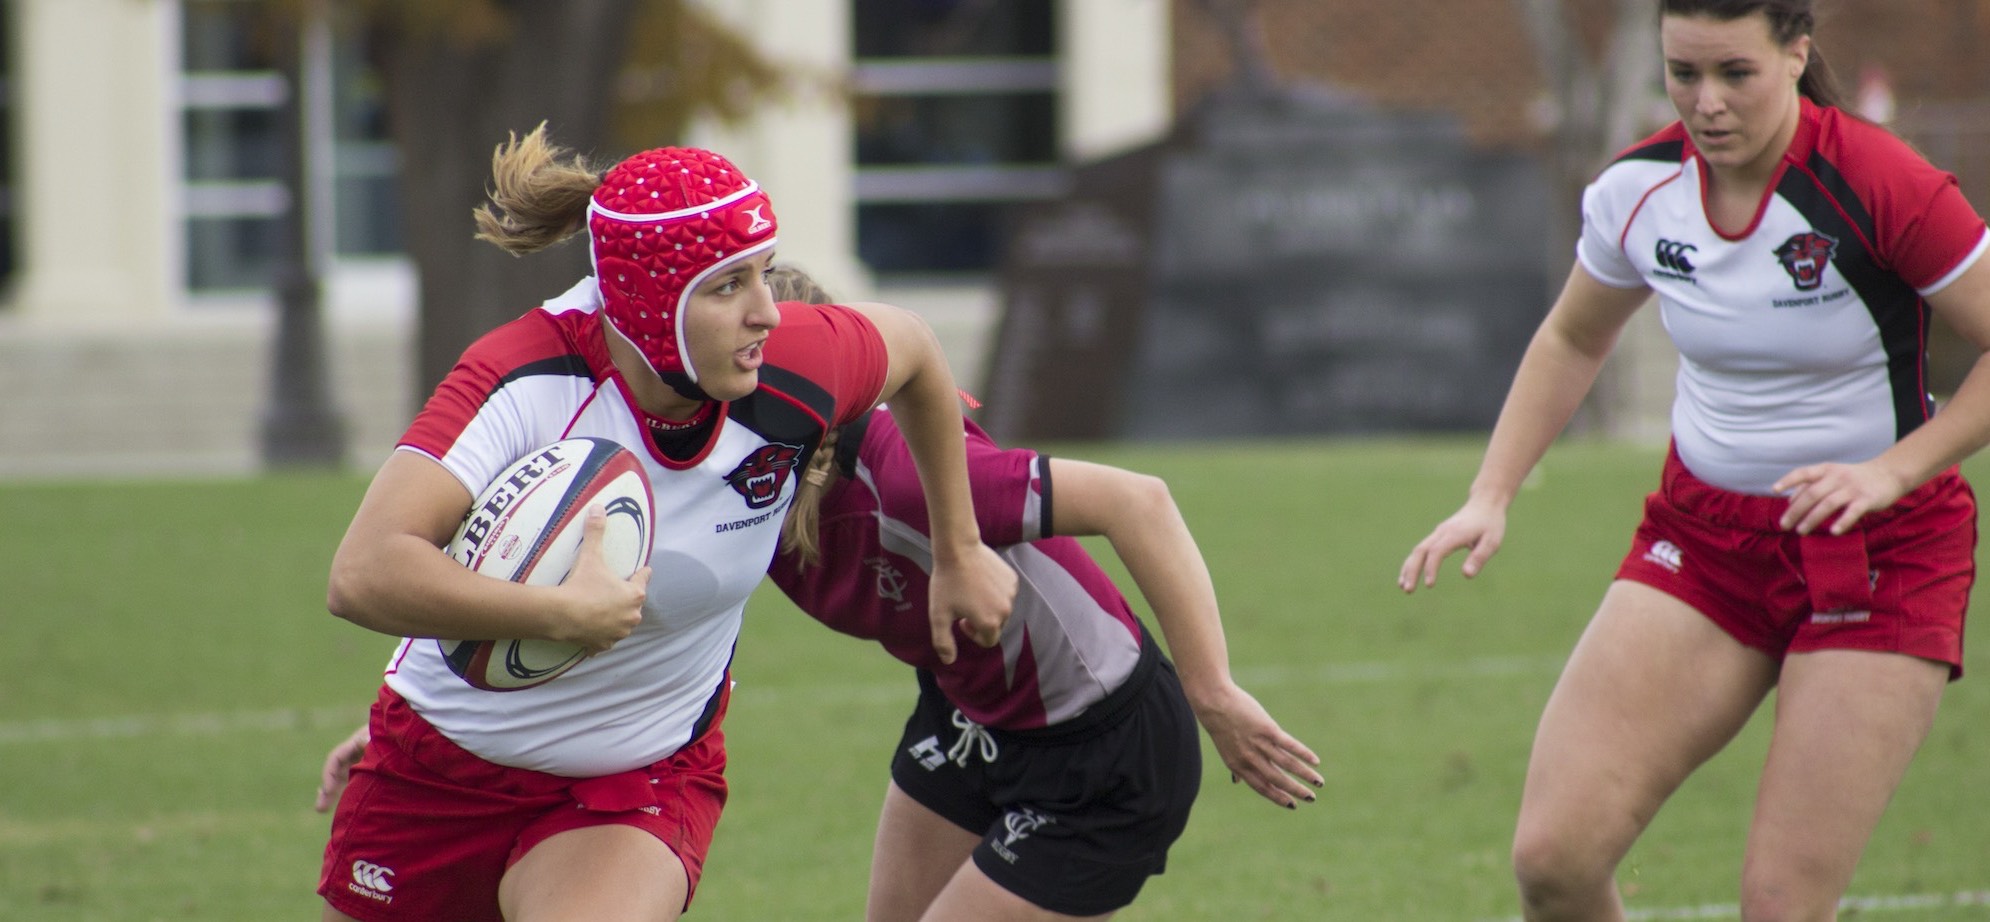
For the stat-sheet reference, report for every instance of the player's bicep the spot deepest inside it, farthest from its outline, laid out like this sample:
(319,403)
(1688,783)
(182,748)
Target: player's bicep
(413,502)
(909,342)
(1964,303)
(1590,313)
(1091,498)
(413,494)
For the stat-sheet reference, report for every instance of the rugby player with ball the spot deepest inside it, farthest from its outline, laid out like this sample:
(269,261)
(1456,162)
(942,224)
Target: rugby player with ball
(594,795)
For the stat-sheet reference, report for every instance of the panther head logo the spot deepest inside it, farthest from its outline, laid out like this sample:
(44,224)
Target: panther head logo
(760,476)
(1804,257)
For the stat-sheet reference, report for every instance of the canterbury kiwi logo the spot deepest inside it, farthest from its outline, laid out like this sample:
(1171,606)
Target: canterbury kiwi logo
(1671,254)
(372,876)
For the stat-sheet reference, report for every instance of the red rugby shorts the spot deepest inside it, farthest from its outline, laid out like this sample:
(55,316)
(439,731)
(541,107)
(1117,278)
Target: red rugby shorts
(425,830)
(1899,582)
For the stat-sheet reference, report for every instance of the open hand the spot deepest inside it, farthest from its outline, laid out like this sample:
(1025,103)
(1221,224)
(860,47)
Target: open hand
(1849,491)
(602,607)
(1256,750)
(1478,526)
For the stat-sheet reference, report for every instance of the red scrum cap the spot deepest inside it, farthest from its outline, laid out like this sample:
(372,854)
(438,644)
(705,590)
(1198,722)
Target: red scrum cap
(659,223)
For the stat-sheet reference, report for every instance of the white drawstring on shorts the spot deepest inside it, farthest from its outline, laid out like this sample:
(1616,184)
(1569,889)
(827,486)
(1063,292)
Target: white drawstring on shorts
(970,733)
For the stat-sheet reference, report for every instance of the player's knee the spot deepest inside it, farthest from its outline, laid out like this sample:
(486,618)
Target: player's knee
(1555,869)
(1786,895)
(1775,906)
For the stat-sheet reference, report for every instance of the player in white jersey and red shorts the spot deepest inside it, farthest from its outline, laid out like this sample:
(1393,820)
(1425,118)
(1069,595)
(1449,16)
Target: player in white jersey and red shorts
(595,795)
(1810,532)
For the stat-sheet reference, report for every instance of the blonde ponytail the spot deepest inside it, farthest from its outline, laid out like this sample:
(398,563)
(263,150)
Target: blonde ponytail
(539,196)
(798,533)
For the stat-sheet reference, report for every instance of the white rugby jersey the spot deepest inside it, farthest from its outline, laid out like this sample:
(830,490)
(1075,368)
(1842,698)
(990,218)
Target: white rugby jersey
(1802,337)
(547,376)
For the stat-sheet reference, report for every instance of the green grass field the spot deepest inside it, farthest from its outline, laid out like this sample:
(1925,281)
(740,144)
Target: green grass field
(172,682)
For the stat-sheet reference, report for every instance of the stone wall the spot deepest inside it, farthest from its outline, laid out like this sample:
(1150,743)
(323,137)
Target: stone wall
(184,399)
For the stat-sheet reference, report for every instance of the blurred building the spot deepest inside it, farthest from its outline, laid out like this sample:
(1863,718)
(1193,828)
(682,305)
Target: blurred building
(138,236)
(141,191)
(1473,58)
(1917,64)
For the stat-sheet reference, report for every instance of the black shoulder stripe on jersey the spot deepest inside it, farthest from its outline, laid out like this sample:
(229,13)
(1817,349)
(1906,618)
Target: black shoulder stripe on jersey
(800,389)
(569,365)
(572,365)
(786,408)
(1663,151)
(1897,309)
(1841,192)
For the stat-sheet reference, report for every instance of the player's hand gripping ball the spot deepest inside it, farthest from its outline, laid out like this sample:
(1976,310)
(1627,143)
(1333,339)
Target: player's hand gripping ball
(526,527)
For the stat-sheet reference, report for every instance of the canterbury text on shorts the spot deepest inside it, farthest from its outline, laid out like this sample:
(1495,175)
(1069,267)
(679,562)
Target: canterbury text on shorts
(1897,583)
(425,830)
(1075,817)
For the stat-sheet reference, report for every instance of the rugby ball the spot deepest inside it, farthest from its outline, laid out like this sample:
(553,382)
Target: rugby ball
(526,527)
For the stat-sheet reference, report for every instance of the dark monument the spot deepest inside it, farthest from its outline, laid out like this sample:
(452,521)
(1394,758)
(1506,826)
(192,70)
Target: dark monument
(1286,261)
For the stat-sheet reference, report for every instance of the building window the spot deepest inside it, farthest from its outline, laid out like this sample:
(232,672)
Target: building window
(366,204)
(234,194)
(956,119)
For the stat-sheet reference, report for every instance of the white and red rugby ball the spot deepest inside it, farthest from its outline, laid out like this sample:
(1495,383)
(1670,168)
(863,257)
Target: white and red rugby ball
(526,527)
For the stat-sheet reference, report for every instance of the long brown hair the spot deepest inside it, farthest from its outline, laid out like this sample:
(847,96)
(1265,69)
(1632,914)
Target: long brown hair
(798,533)
(539,193)
(1788,21)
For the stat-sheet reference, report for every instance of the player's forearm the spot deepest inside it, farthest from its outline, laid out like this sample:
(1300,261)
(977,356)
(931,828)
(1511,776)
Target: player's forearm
(1554,377)
(1154,543)
(405,587)
(927,410)
(1961,429)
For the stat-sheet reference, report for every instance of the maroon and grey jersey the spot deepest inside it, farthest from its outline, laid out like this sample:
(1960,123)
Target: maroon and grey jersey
(1803,336)
(1071,638)
(547,376)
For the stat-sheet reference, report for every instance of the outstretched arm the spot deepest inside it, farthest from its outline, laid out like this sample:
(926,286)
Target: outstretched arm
(1138,515)
(1555,374)
(971,585)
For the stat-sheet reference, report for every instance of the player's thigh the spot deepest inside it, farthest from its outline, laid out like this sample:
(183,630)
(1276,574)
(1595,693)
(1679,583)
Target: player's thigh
(972,897)
(605,873)
(1652,690)
(916,853)
(332,915)
(1847,724)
